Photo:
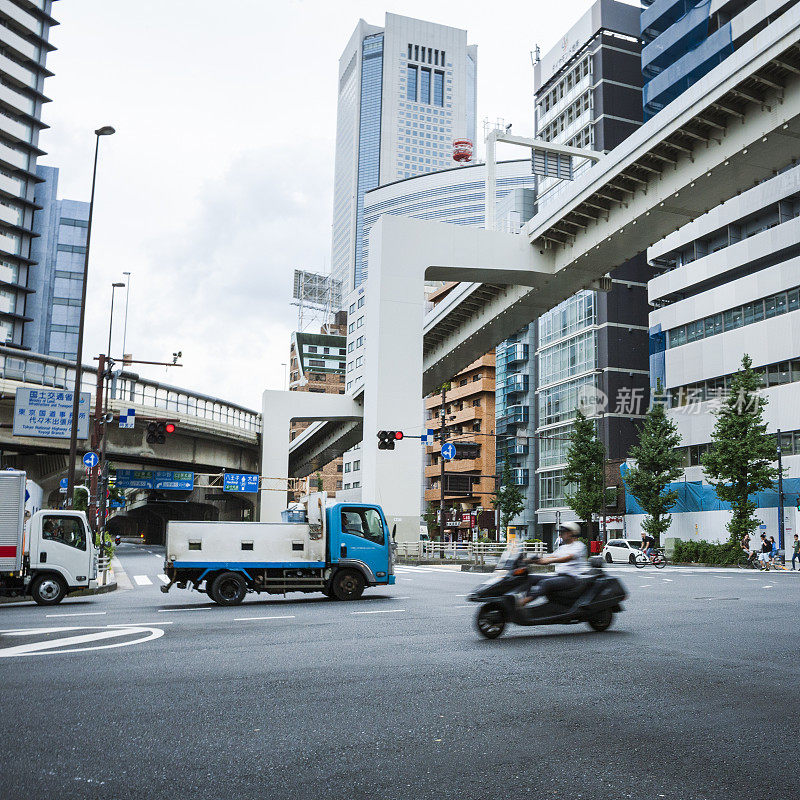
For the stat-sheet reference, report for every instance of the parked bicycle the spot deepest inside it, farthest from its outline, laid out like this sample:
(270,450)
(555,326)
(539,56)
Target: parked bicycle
(657,560)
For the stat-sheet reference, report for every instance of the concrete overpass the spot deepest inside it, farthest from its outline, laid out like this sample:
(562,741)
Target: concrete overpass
(737,127)
(212,435)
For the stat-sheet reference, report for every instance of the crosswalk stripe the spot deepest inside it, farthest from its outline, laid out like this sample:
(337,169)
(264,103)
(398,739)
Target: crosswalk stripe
(163,578)
(142,580)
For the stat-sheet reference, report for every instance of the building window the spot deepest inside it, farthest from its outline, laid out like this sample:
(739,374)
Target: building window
(347,467)
(361,302)
(359,322)
(411,84)
(338,484)
(311,349)
(425,86)
(438,88)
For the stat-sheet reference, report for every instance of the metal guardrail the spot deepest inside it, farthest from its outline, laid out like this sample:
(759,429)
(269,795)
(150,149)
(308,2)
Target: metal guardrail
(473,552)
(57,373)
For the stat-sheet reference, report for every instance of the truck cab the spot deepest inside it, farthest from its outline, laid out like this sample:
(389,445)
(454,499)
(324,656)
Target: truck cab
(61,554)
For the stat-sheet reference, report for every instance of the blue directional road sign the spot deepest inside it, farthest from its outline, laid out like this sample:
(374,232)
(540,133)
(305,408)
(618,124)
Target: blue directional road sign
(448,451)
(239,482)
(91,460)
(63,483)
(158,480)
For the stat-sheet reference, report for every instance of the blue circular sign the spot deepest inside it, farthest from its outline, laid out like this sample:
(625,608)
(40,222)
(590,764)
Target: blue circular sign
(91,460)
(448,451)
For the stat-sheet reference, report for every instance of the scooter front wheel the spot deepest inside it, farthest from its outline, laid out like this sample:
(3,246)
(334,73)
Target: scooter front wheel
(490,620)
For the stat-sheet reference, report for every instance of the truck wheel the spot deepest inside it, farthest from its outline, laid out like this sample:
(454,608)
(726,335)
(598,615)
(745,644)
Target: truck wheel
(347,585)
(48,590)
(228,589)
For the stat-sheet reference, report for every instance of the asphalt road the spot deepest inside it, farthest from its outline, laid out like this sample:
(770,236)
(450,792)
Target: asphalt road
(396,696)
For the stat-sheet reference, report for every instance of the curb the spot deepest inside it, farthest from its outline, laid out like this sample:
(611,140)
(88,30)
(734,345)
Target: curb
(110,587)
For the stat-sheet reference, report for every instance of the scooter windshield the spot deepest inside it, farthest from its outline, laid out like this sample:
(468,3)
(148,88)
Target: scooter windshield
(509,557)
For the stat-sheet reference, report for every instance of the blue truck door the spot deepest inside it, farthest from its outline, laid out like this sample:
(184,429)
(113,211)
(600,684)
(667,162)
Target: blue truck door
(362,537)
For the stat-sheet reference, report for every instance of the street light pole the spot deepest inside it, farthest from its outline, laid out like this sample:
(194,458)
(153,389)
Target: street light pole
(442,440)
(125,324)
(781,521)
(106,130)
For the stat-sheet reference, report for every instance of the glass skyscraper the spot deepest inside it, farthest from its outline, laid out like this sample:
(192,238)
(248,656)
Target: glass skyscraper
(406,91)
(59,249)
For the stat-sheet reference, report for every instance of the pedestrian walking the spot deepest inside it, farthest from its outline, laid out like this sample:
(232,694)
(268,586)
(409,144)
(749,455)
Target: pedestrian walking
(766,549)
(795,551)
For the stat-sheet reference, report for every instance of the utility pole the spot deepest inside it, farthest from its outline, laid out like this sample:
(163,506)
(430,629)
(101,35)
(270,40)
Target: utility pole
(95,440)
(442,439)
(780,493)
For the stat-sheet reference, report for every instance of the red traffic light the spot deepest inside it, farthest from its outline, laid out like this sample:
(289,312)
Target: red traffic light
(398,435)
(169,428)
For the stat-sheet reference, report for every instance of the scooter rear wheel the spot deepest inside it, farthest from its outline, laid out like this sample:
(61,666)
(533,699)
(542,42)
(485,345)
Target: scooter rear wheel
(490,621)
(602,620)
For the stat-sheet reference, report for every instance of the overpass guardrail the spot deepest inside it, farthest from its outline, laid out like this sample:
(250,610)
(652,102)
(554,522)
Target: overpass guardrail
(125,386)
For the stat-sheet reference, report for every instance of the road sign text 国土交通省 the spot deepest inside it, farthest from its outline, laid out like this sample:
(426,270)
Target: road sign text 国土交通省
(48,413)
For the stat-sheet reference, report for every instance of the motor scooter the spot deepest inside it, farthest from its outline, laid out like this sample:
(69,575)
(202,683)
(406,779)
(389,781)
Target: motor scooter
(117,539)
(595,599)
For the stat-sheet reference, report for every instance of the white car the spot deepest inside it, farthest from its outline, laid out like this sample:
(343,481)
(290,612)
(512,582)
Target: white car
(621,551)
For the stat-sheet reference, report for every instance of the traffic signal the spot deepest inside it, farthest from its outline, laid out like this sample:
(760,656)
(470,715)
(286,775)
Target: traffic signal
(157,431)
(386,439)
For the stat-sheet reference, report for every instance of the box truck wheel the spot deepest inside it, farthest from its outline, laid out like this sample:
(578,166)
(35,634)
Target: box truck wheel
(48,590)
(348,584)
(228,589)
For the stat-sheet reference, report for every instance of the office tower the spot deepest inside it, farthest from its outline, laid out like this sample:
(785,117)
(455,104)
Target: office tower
(587,94)
(60,228)
(406,91)
(727,283)
(24,31)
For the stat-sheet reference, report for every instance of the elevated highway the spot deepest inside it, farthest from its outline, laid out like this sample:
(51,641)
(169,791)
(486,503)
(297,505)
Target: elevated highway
(735,128)
(211,434)
(740,125)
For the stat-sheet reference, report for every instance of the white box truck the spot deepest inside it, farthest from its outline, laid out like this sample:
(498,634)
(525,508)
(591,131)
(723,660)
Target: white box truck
(48,557)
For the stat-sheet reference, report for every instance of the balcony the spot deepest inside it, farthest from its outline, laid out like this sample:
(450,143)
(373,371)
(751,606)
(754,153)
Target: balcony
(516,353)
(519,476)
(516,382)
(515,450)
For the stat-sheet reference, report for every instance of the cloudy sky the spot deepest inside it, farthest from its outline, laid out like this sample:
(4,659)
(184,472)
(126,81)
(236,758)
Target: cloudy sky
(218,182)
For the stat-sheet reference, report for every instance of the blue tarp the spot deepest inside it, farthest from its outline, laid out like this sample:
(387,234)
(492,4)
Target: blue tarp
(696,496)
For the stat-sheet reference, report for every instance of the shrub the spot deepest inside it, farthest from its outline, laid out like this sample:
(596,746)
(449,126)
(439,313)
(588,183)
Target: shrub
(703,552)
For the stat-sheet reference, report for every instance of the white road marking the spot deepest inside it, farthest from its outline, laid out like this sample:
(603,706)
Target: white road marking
(169,610)
(163,578)
(48,647)
(248,619)
(645,585)
(667,580)
(768,586)
(142,580)
(406,579)
(386,611)
(79,614)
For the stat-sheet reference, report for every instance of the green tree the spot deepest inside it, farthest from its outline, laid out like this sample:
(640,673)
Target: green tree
(658,462)
(431,517)
(319,481)
(80,498)
(584,471)
(739,460)
(509,499)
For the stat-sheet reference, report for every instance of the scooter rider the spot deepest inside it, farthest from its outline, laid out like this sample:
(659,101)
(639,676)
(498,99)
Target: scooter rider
(570,561)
